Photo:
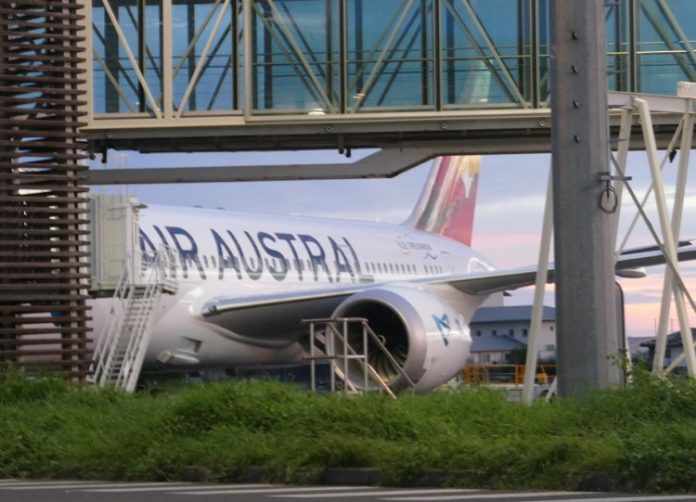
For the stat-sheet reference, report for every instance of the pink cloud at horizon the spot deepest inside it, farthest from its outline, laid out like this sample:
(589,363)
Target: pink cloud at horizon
(497,248)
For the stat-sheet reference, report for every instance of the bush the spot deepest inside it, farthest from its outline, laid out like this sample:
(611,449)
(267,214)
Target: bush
(637,439)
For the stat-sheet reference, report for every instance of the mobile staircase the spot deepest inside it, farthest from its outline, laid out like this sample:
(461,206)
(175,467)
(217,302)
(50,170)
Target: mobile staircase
(120,352)
(328,341)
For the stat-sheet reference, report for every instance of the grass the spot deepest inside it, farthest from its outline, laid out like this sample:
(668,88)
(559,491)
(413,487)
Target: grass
(639,439)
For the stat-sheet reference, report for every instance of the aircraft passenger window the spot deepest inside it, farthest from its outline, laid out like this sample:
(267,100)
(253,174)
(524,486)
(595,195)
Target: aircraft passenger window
(391,268)
(403,268)
(213,261)
(205,260)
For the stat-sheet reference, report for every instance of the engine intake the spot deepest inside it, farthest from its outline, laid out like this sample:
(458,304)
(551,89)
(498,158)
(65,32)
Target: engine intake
(424,329)
(391,330)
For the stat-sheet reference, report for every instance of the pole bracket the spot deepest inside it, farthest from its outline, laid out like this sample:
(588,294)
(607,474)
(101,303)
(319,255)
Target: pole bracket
(606,176)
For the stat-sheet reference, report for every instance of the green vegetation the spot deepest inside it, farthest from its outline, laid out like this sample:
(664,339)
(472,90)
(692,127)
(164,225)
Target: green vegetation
(640,439)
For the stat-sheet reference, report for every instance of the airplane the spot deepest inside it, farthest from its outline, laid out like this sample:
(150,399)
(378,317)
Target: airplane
(246,282)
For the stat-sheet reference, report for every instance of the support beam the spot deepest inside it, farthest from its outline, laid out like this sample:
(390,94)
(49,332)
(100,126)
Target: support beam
(585,300)
(382,164)
(538,306)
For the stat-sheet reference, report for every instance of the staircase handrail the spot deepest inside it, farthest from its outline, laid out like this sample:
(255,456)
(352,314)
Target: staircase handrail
(330,324)
(373,373)
(134,354)
(121,297)
(386,352)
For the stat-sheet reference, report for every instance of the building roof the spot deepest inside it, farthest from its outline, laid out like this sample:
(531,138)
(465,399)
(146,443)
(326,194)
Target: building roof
(520,313)
(493,343)
(673,339)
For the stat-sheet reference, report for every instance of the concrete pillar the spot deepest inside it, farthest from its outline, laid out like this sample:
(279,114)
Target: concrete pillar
(585,298)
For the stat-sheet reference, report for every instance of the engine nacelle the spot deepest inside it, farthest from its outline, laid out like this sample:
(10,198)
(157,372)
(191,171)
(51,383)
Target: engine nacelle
(425,328)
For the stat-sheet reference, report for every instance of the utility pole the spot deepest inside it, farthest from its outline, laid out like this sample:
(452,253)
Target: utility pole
(584,248)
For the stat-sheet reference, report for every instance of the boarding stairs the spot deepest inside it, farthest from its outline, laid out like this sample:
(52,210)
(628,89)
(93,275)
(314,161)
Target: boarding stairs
(120,351)
(328,341)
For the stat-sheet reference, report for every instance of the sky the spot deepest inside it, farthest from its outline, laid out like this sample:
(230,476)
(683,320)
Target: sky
(507,228)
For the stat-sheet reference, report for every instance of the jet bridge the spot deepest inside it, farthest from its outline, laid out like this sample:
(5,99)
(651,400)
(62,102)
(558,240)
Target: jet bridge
(206,75)
(114,230)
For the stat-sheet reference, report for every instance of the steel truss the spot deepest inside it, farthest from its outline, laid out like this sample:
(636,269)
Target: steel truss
(642,107)
(196,75)
(43,314)
(673,287)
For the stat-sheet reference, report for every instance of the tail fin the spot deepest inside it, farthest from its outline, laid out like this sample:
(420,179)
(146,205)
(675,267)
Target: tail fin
(446,205)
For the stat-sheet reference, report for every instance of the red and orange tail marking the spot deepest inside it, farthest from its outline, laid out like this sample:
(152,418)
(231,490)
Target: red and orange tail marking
(448,201)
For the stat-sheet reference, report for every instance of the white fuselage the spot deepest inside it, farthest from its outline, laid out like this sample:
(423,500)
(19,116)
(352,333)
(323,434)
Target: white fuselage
(228,255)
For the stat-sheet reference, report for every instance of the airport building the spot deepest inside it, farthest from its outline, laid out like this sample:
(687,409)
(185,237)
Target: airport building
(673,351)
(496,332)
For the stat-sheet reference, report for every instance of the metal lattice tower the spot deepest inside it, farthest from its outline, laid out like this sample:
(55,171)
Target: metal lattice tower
(43,313)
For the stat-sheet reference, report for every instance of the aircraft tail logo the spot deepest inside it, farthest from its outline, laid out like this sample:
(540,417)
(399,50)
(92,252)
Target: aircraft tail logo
(448,201)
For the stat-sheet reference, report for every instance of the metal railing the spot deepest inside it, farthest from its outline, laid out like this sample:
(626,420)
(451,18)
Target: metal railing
(120,352)
(506,374)
(337,349)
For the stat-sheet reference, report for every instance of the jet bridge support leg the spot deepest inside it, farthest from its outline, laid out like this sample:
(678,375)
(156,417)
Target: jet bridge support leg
(643,105)
(582,231)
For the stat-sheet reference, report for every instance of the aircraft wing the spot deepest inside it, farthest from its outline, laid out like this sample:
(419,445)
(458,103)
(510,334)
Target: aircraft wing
(501,280)
(281,305)
(218,305)
(257,316)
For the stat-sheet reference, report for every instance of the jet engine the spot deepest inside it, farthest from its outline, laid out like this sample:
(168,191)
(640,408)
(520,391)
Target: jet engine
(424,328)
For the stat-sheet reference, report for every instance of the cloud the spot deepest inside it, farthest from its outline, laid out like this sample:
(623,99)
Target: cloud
(512,207)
